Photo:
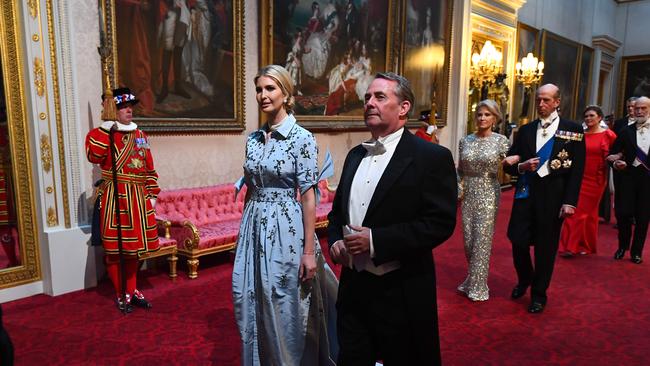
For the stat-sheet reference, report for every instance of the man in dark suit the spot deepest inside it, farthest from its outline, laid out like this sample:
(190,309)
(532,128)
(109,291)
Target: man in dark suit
(630,156)
(628,119)
(619,125)
(395,202)
(553,153)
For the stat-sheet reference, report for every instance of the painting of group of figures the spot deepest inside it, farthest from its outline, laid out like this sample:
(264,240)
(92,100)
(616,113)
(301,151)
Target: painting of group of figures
(183,58)
(331,49)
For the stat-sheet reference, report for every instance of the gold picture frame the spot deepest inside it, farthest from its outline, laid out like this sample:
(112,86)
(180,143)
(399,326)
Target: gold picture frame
(583,80)
(561,58)
(297,29)
(635,74)
(523,100)
(12,56)
(434,53)
(213,98)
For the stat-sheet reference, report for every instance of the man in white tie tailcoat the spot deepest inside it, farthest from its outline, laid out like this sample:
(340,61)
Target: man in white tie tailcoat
(395,202)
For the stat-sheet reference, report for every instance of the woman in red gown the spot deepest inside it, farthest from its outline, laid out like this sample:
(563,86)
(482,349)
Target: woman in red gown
(580,231)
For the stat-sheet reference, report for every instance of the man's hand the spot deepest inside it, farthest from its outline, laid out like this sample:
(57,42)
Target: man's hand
(529,165)
(510,160)
(339,253)
(612,158)
(359,241)
(620,165)
(566,211)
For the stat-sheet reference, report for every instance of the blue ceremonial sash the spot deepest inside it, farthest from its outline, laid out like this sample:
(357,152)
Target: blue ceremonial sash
(643,158)
(523,188)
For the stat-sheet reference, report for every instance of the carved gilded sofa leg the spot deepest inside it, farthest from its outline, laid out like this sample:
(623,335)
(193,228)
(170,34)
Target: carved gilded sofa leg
(192,267)
(172,259)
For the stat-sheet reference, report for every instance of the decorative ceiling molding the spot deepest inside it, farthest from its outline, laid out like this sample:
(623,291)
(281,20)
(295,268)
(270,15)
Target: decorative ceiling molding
(502,11)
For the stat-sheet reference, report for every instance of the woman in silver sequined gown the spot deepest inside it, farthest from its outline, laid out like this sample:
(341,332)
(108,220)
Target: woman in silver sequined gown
(480,155)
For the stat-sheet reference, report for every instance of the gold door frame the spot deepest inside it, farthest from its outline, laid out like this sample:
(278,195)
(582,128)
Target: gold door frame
(12,55)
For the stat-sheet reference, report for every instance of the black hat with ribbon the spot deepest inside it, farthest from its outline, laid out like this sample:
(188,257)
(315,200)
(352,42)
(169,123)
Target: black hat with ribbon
(123,97)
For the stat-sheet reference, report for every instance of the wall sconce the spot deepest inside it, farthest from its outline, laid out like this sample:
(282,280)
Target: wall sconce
(486,65)
(529,71)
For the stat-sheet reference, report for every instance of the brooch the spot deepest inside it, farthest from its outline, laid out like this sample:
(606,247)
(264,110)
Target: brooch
(555,164)
(563,161)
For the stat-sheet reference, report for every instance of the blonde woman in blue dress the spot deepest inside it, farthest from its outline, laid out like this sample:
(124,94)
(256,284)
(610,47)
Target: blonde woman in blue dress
(283,291)
(480,155)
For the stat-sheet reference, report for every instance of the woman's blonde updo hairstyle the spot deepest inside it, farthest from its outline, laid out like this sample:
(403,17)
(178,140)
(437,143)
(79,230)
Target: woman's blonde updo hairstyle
(281,77)
(491,106)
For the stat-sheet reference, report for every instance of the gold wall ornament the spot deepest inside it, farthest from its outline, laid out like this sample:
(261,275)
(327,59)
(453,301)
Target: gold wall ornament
(46,153)
(42,116)
(33,8)
(51,217)
(57,111)
(35,37)
(39,76)
(15,80)
(49,190)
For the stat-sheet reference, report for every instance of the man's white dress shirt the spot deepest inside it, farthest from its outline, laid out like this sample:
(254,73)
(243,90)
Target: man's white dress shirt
(365,181)
(554,121)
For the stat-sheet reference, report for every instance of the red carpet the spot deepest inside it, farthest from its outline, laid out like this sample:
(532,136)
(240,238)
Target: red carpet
(597,314)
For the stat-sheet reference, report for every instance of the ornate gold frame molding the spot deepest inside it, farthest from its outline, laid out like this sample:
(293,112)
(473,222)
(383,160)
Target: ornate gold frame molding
(14,80)
(184,126)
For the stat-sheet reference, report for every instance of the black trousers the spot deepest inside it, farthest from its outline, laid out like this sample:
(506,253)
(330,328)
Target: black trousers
(373,323)
(633,203)
(535,221)
(6,347)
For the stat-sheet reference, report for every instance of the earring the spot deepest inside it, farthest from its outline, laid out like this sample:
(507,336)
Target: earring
(285,100)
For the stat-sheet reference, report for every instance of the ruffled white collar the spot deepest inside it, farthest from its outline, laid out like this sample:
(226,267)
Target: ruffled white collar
(120,127)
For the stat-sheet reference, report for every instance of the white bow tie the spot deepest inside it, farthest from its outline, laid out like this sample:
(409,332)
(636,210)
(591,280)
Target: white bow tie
(374,147)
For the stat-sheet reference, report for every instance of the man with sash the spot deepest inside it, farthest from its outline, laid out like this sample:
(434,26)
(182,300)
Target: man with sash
(137,185)
(630,155)
(552,154)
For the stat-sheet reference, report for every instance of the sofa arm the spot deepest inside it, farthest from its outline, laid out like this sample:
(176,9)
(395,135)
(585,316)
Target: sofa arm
(188,235)
(165,226)
(183,231)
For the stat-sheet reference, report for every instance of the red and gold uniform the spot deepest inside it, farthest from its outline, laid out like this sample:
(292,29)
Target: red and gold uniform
(137,183)
(137,189)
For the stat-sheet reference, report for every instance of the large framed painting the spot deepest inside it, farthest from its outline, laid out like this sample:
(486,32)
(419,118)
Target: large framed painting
(523,99)
(635,79)
(426,52)
(183,59)
(561,56)
(583,88)
(332,50)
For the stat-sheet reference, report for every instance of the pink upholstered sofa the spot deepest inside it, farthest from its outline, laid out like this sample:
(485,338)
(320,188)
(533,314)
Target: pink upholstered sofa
(168,247)
(206,220)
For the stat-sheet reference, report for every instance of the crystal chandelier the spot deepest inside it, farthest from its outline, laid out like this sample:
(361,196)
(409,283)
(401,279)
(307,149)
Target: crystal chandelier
(529,70)
(486,65)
